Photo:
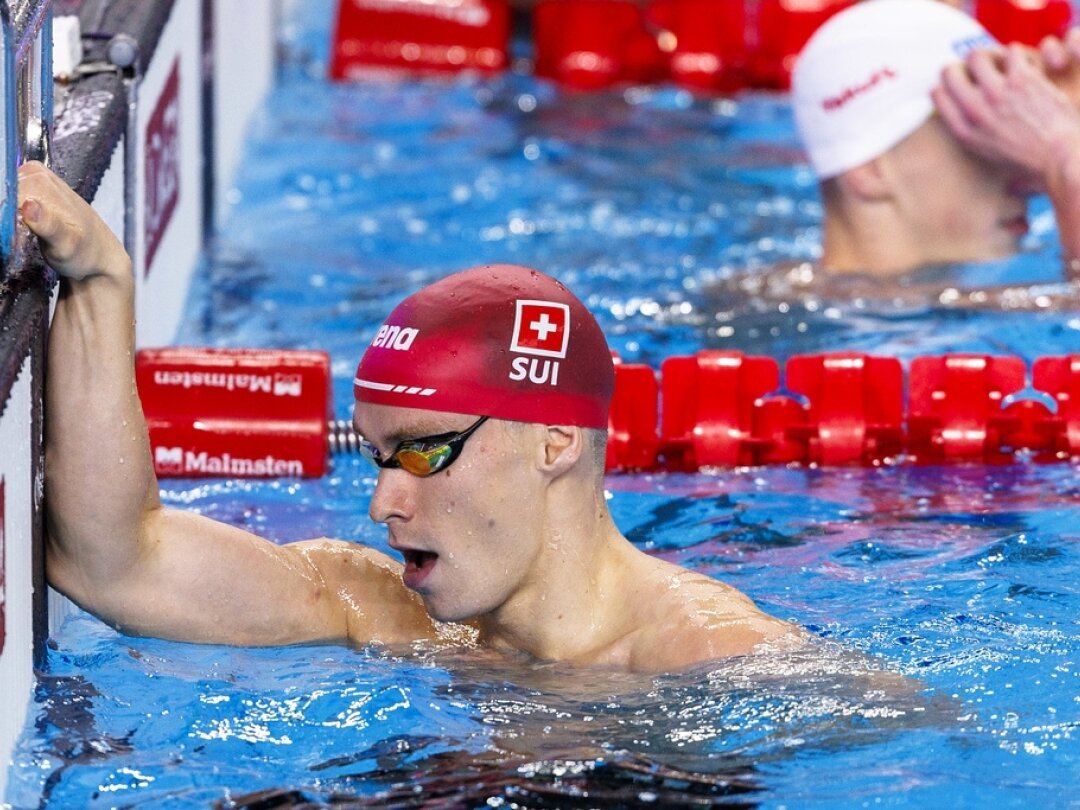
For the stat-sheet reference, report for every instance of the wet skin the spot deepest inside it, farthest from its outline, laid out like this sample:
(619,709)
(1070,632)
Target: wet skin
(514,537)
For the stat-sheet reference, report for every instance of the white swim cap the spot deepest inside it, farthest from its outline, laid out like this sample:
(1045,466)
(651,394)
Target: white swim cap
(862,83)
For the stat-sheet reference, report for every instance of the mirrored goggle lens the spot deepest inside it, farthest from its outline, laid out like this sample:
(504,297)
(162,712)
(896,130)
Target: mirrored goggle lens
(423,462)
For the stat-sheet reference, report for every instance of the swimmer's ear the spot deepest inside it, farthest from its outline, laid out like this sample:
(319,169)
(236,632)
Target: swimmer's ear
(563,445)
(870,181)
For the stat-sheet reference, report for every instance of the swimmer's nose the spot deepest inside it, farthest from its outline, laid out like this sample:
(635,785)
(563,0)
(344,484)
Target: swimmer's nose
(393,496)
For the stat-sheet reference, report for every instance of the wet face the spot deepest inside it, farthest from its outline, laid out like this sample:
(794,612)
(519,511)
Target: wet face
(963,207)
(469,534)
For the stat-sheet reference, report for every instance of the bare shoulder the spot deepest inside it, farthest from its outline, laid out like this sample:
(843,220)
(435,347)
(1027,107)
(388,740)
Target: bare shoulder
(367,585)
(696,618)
(342,556)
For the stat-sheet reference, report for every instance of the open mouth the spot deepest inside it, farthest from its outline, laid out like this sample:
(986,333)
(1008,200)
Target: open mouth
(1016,225)
(418,565)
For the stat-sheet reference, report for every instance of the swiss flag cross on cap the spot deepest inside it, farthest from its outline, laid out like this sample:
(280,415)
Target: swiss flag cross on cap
(541,328)
(495,341)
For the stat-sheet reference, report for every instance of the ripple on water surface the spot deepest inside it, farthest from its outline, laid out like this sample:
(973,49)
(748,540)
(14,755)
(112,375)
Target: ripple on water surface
(652,207)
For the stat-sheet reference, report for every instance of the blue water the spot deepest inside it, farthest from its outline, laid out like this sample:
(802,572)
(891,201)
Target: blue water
(963,579)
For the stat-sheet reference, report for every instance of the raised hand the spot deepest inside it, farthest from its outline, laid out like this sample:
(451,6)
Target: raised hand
(74,239)
(1002,106)
(1060,58)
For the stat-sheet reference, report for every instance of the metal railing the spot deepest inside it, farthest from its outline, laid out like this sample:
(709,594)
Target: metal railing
(26,87)
(27,91)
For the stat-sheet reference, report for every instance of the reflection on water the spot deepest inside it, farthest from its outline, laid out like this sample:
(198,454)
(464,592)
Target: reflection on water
(647,203)
(451,729)
(454,782)
(619,782)
(943,601)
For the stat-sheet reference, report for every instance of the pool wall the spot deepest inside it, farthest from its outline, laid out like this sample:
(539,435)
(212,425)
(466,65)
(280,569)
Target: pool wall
(198,71)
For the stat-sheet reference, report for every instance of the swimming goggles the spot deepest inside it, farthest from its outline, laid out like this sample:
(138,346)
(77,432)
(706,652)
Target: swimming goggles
(424,456)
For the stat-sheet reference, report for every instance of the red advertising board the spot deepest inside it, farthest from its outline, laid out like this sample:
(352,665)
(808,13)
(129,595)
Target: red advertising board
(235,412)
(162,164)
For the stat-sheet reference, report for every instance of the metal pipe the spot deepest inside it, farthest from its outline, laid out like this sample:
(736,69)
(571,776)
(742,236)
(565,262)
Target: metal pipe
(7,136)
(30,19)
(123,52)
(342,437)
(28,103)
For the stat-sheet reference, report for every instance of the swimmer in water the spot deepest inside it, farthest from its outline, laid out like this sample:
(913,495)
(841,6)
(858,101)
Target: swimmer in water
(927,138)
(483,400)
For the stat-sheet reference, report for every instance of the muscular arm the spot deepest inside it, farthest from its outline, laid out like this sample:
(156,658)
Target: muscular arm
(111,545)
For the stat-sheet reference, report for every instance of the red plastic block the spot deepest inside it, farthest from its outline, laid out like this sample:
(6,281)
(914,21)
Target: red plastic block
(632,440)
(954,406)
(779,423)
(705,41)
(856,409)
(708,409)
(1024,21)
(1027,424)
(1060,378)
(778,34)
(592,44)
(239,413)
(440,36)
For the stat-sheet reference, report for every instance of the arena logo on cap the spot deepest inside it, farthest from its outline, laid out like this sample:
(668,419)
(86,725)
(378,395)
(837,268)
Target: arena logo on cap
(542,329)
(399,338)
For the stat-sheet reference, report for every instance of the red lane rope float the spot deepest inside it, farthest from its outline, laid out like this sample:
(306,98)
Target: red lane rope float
(711,45)
(250,413)
(710,413)
(955,406)
(855,407)
(703,45)
(592,44)
(724,409)
(632,439)
(727,409)
(1060,378)
(427,36)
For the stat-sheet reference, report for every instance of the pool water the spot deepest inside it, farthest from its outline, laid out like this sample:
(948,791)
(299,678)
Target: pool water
(963,580)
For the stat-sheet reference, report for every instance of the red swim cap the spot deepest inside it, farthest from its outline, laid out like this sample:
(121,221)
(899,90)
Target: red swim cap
(498,340)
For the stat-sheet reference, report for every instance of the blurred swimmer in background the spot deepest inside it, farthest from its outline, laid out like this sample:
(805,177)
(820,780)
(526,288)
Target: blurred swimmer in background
(928,138)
